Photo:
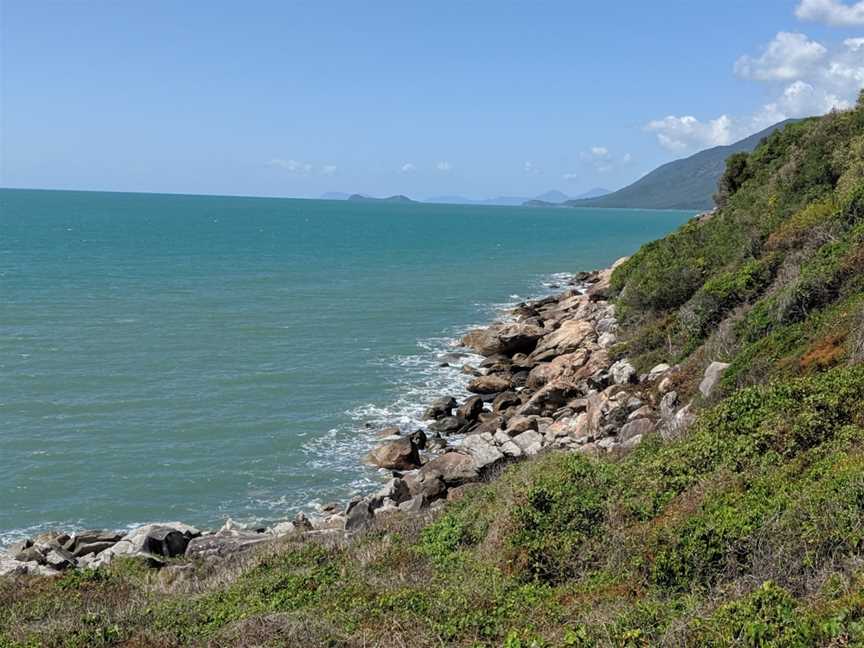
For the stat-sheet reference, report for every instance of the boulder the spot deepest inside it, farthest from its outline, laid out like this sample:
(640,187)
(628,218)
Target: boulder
(639,427)
(419,439)
(505,400)
(491,384)
(282,529)
(622,373)
(667,404)
(712,377)
(396,455)
(440,408)
(430,485)
(504,338)
(453,468)
(215,545)
(448,425)
(470,409)
(395,490)
(519,424)
(564,366)
(60,559)
(159,540)
(640,412)
(50,540)
(568,338)
(86,548)
(481,450)
(530,442)
(550,398)
(359,514)
(607,339)
(30,554)
(658,370)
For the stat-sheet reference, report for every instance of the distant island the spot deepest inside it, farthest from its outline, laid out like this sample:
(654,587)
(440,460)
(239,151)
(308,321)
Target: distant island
(394,199)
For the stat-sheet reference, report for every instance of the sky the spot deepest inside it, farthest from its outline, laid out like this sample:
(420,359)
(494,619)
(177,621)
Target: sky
(473,98)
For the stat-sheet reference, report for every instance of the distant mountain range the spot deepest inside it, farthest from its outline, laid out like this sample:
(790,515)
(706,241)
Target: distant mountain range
(689,183)
(550,197)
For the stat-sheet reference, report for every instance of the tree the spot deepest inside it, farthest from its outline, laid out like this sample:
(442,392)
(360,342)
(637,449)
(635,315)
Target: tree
(733,177)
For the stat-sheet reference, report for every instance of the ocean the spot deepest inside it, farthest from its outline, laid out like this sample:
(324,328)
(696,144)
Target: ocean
(193,358)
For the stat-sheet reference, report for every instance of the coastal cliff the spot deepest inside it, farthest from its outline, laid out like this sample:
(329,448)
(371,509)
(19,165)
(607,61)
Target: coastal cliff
(668,453)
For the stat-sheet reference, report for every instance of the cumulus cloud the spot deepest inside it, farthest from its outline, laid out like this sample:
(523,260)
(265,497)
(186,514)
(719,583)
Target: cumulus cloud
(599,151)
(443,166)
(570,177)
(683,133)
(806,77)
(787,57)
(328,169)
(407,168)
(292,166)
(831,12)
(530,168)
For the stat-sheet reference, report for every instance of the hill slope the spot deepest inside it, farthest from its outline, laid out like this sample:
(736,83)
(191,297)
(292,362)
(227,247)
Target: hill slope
(683,184)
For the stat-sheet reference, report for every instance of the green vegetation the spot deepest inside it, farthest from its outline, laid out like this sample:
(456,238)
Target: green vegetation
(746,531)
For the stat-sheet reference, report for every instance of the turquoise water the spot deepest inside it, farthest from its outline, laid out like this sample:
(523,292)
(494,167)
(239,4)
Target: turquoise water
(194,357)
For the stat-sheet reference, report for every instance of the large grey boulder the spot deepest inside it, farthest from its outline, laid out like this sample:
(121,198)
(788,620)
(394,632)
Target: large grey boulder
(530,442)
(440,408)
(454,468)
(622,372)
(481,450)
(491,384)
(448,425)
(397,455)
(470,409)
(712,377)
(161,539)
(504,338)
(639,427)
(568,338)
(217,545)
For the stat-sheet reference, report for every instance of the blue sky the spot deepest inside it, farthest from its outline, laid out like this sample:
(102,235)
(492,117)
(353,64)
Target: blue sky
(423,98)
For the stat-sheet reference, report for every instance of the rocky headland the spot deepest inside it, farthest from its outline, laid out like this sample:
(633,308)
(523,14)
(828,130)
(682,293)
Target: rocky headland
(547,382)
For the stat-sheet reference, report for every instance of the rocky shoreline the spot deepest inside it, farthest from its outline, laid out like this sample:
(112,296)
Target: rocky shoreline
(546,383)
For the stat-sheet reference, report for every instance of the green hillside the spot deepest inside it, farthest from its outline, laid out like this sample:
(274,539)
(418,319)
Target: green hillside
(683,184)
(747,530)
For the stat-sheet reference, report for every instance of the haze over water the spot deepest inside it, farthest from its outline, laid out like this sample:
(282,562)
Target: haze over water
(193,357)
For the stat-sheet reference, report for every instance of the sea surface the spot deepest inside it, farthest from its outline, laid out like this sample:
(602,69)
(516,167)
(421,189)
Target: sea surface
(193,358)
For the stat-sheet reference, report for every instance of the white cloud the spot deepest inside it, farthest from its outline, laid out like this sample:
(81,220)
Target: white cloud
(806,77)
(683,133)
(831,12)
(599,151)
(328,169)
(627,159)
(292,166)
(443,166)
(530,168)
(570,177)
(787,57)
(407,168)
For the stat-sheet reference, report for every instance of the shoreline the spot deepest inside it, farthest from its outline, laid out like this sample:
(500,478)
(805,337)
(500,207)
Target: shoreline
(545,383)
